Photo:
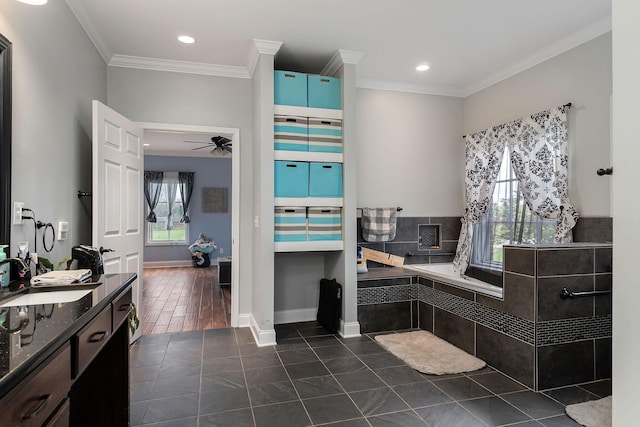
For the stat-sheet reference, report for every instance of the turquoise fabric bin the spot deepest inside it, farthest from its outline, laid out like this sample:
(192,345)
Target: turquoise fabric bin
(290,88)
(290,133)
(325,179)
(291,179)
(325,135)
(290,224)
(323,92)
(324,223)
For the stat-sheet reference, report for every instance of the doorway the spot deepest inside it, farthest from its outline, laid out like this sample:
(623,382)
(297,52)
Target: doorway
(233,251)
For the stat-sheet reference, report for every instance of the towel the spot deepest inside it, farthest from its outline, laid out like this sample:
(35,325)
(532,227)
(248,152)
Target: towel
(61,277)
(379,224)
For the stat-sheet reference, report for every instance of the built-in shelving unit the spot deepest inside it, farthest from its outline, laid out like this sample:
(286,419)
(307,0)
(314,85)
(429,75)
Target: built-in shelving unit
(308,156)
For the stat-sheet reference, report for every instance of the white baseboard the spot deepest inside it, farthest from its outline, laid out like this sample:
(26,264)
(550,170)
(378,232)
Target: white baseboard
(165,264)
(293,316)
(349,329)
(263,337)
(244,320)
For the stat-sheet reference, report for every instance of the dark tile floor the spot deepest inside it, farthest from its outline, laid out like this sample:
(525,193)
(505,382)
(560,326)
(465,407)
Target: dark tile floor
(220,378)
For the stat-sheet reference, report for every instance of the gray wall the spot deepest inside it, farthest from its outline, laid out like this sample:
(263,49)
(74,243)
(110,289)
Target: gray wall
(410,152)
(56,73)
(176,98)
(581,76)
(209,172)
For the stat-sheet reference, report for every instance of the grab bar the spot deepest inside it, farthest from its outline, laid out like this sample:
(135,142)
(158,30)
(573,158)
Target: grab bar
(566,293)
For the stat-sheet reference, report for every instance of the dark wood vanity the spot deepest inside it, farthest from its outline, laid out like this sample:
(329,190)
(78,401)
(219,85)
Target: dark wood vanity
(67,363)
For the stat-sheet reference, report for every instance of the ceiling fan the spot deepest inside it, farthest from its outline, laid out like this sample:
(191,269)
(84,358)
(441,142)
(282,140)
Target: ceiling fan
(221,146)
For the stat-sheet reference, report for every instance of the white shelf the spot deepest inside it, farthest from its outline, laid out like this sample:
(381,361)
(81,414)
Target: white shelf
(308,201)
(292,110)
(307,156)
(328,245)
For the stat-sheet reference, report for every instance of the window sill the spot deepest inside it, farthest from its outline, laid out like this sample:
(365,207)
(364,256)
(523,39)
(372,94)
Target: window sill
(166,244)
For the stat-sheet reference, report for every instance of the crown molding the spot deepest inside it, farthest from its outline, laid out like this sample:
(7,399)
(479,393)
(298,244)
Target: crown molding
(178,66)
(260,47)
(342,56)
(403,87)
(581,36)
(81,14)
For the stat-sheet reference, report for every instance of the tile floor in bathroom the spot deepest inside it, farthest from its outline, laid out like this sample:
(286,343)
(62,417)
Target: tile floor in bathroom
(221,378)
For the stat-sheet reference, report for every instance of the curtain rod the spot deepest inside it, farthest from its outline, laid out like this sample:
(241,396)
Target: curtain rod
(567,105)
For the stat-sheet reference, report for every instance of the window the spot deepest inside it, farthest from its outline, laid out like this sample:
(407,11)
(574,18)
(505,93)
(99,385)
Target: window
(160,232)
(508,221)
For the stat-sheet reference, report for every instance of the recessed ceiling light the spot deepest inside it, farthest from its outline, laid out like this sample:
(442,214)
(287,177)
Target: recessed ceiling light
(146,145)
(34,2)
(186,39)
(422,67)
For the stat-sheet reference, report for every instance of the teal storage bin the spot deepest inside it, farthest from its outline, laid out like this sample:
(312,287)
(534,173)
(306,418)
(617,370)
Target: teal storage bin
(325,135)
(323,92)
(290,133)
(290,88)
(324,223)
(325,179)
(291,179)
(290,224)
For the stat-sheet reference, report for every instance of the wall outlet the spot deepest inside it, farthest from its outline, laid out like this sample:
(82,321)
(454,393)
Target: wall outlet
(17,213)
(221,251)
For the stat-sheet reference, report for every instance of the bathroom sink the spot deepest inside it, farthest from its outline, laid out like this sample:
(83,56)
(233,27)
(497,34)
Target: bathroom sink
(53,297)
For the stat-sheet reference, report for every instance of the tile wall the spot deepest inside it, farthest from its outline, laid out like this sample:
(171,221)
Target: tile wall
(405,243)
(530,334)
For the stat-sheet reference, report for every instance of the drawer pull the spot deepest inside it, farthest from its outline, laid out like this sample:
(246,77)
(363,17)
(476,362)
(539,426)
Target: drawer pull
(43,401)
(125,307)
(98,336)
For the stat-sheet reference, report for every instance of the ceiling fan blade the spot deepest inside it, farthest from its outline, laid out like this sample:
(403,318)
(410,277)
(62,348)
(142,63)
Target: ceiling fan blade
(199,142)
(227,148)
(200,148)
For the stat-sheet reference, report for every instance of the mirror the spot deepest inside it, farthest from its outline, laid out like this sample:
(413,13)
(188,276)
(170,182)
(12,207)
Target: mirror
(5,140)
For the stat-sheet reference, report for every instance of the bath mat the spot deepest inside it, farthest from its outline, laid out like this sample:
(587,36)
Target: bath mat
(596,413)
(429,354)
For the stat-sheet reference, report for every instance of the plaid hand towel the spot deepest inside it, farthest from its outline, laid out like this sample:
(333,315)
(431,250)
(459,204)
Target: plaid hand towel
(379,224)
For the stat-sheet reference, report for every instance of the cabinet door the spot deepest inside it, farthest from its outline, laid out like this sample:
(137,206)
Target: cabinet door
(61,416)
(34,401)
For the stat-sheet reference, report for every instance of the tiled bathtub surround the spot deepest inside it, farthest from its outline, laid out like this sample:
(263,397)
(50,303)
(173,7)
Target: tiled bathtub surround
(408,237)
(530,334)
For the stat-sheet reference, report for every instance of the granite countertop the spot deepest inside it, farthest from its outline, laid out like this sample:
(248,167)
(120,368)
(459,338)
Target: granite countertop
(35,323)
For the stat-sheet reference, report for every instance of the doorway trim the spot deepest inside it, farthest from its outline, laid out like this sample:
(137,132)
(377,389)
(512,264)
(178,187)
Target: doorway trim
(235,199)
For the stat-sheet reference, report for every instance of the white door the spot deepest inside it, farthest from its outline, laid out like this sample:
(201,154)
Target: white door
(117,195)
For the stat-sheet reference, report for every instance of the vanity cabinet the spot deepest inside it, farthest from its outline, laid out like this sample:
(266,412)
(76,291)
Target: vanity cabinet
(79,375)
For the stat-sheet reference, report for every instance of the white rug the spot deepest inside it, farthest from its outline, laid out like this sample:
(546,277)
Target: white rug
(596,413)
(429,354)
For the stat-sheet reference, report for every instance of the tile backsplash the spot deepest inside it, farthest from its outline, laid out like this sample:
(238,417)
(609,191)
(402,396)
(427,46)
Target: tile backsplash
(407,241)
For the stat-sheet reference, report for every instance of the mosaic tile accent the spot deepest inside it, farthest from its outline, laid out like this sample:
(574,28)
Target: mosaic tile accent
(513,326)
(384,294)
(570,330)
(428,236)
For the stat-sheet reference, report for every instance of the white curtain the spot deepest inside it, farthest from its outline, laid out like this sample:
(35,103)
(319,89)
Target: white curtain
(538,148)
(171,181)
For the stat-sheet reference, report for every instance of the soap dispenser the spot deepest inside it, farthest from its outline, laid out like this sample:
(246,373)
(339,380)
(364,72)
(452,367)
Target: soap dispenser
(5,268)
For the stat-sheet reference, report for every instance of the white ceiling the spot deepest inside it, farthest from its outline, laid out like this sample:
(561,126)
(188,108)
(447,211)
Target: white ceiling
(469,44)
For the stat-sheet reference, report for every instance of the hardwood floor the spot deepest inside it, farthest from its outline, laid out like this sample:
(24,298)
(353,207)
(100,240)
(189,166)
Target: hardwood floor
(180,299)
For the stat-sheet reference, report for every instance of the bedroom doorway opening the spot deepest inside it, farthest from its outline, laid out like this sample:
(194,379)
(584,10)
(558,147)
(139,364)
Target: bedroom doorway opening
(181,291)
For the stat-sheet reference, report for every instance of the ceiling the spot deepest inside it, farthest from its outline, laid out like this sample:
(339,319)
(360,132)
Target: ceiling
(468,44)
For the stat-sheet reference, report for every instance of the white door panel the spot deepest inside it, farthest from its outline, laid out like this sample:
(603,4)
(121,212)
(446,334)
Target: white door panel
(117,194)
